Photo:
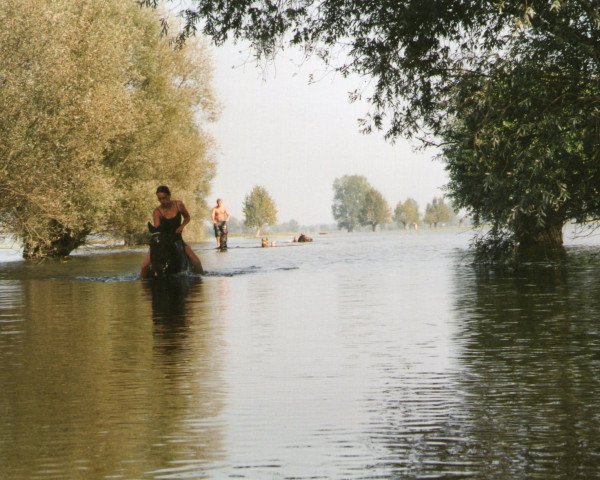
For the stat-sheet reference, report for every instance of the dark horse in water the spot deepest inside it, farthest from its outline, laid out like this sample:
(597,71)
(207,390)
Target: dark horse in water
(167,254)
(304,238)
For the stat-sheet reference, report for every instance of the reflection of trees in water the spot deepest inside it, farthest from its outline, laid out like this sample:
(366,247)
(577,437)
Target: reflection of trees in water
(522,400)
(96,386)
(530,349)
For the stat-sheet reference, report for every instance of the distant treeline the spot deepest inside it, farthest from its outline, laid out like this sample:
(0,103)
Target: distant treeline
(356,206)
(357,203)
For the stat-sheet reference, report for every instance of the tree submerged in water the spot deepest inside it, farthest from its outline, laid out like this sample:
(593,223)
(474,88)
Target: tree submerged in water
(375,210)
(522,151)
(96,109)
(349,193)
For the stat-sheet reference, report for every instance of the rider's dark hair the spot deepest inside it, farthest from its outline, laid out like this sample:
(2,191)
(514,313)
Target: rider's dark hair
(163,189)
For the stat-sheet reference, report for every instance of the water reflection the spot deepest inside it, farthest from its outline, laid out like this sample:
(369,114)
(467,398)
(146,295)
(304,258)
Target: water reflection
(169,295)
(107,379)
(530,354)
(184,342)
(411,364)
(517,396)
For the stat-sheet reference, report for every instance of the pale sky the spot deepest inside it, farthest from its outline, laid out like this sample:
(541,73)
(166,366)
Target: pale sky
(294,138)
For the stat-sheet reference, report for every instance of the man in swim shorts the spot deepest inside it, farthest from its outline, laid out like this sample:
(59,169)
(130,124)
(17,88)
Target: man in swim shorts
(219,216)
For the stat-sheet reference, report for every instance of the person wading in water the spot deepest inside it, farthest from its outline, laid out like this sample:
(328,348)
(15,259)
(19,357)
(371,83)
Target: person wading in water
(172,215)
(219,216)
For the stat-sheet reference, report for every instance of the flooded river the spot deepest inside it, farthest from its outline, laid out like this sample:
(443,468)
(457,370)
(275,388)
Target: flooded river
(385,355)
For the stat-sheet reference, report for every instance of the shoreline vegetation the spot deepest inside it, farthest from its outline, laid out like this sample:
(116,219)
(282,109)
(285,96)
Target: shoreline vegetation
(101,101)
(11,249)
(100,244)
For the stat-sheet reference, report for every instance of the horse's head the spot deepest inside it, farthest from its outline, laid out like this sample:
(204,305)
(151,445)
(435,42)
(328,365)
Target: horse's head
(304,238)
(165,252)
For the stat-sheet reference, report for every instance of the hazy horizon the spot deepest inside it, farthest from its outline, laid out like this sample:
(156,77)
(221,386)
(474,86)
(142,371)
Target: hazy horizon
(294,138)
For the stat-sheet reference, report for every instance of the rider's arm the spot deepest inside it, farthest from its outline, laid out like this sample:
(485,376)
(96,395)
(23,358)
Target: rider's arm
(185,214)
(213,214)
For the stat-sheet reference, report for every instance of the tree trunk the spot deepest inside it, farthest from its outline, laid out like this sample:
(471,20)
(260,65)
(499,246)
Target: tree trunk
(546,242)
(257,234)
(59,242)
(374,226)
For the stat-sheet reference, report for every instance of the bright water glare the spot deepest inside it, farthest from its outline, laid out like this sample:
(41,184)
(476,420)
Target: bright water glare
(358,356)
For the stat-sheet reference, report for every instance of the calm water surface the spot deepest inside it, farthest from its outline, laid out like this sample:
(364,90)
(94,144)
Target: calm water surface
(369,356)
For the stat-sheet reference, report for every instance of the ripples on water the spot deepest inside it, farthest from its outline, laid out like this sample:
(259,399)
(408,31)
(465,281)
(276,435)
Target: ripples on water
(358,356)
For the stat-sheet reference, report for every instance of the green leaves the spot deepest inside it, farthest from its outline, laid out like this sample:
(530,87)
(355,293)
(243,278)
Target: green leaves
(357,203)
(96,110)
(517,157)
(437,212)
(374,210)
(259,209)
(509,87)
(407,213)
(349,193)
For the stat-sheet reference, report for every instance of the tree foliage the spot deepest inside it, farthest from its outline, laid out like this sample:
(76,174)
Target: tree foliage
(407,212)
(259,209)
(522,147)
(349,194)
(95,110)
(412,51)
(375,209)
(437,212)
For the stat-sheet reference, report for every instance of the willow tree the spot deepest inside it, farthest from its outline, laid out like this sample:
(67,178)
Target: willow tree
(95,110)
(410,51)
(170,146)
(375,210)
(259,209)
(407,213)
(523,151)
(438,211)
(349,194)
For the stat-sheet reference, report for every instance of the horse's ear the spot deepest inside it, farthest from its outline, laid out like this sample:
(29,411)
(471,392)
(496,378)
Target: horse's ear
(152,228)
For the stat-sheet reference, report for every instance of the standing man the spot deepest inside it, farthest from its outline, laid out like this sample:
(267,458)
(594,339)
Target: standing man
(219,216)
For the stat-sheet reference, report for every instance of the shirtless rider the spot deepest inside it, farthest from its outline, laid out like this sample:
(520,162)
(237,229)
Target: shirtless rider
(219,216)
